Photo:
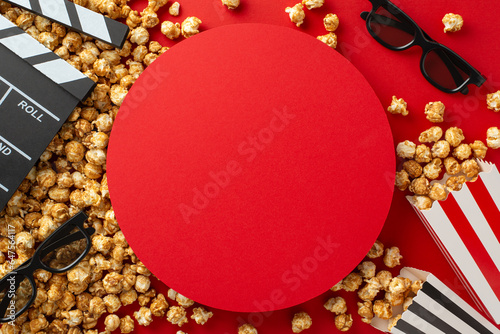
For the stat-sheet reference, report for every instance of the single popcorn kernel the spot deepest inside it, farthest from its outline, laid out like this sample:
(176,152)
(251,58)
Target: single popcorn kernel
(382,309)
(420,186)
(296,14)
(406,149)
(452,22)
(190,26)
(478,149)
(311,4)
(433,169)
(423,154)
(462,152)
(384,277)
(455,183)
(331,22)
(343,322)
(365,310)
(171,30)
(247,329)
(337,287)
(402,180)
(454,136)
(493,101)
(370,290)
(300,322)
(398,106)
(399,285)
(352,282)
(438,192)
(431,135)
(413,168)
(392,257)
(435,111)
(470,168)
(441,149)
(493,137)
(200,315)
(393,322)
(231,4)
(336,305)
(367,269)
(176,315)
(452,166)
(376,251)
(174,9)
(329,39)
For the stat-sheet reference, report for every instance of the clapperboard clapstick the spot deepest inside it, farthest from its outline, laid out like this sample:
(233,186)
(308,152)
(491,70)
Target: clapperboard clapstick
(44,60)
(78,18)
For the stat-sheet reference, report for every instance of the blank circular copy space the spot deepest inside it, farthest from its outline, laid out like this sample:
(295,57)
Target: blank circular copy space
(251,167)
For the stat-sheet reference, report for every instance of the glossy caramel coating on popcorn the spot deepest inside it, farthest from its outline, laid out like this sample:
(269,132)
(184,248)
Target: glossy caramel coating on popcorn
(455,183)
(201,316)
(479,149)
(352,282)
(376,251)
(423,154)
(438,192)
(441,149)
(434,111)
(190,26)
(329,39)
(422,202)
(431,135)
(413,168)
(462,152)
(433,169)
(382,309)
(296,14)
(343,322)
(231,4)
(452,166)
(454,136)
(406,149)
(398,106)
(470,168)
(336,305)
(370,290)
(392,257)
(247,329)
(452,22)
(365,311)
(493,137)
(331,22)
(493,101)
(420,186)
(300,322)
(402,180)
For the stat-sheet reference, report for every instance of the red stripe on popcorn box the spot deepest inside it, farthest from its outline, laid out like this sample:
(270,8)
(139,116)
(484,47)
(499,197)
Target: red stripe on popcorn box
(466,229)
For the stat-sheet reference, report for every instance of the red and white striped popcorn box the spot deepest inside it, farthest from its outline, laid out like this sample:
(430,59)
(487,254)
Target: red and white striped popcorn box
(466,227)
(435,309)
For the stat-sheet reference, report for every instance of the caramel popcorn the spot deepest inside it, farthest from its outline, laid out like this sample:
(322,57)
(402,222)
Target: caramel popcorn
(384,277)
(493,137)
(470,168)
(231,4)
(127,324)
(413,168)
(300,322)
(296,14)
(423,154)
(402,180)
(455,183)
(352,282)
(398,106)
(382,309)
(422,202)
(420,186)
(247,329)
(190,26)
(174,9)
(370,290)
(438,192)
(431,135)
(452,166)
(462,152)
(329,39)
(112,322)
(434,111)
(493,101)
(139,36)
(395,299)
(143,316)
(367,269)
(337,287)
(408,301)
(376,251)
(478,149)
(200,315)
(406,149)
(365,310)
(452,22)
(159,306)
(440,149)
(311,4)
(176,315)
(393,321)
(336,305)
(416,286)
(392,257)
(331,22)
(454,136)
(343,322)
(433,169)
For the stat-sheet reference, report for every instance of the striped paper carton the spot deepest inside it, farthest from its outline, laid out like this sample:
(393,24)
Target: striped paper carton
(466,227)
(436,309)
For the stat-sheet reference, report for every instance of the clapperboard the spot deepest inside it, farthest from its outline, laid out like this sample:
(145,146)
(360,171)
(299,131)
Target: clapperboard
(39,90)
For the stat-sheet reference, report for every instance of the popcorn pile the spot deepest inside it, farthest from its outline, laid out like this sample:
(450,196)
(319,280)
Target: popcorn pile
(424,163)
(71,176)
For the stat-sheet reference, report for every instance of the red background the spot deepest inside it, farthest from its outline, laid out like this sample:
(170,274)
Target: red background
(389,73)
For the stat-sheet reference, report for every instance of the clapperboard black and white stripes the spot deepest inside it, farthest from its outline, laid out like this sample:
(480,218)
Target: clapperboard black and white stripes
(39,90)
(44,60)
(436,309)
(78,18)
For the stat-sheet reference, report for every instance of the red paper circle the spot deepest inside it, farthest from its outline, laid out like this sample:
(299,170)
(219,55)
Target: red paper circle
(251,167)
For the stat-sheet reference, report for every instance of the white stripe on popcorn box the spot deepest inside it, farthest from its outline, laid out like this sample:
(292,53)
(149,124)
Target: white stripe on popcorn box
(436,309)
(463,228)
